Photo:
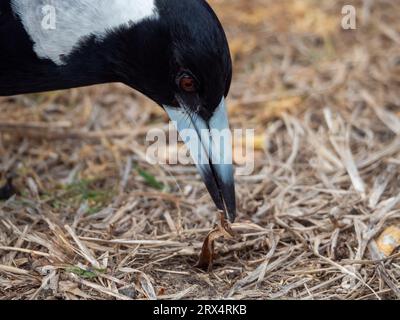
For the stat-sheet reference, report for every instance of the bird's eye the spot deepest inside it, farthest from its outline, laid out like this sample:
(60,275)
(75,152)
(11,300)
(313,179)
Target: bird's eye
(187,83)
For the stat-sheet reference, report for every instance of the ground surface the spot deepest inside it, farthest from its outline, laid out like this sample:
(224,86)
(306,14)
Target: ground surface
(94,221)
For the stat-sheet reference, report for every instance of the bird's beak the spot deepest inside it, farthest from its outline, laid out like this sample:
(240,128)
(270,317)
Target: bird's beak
(210,145)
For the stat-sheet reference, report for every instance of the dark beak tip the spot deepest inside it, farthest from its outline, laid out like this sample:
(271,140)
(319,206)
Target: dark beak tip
(230,213)
(231,218)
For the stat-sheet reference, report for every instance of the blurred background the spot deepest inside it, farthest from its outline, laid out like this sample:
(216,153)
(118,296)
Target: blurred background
(96,221)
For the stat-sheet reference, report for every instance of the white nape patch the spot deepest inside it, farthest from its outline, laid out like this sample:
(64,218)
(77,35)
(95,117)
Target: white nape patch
(56,36)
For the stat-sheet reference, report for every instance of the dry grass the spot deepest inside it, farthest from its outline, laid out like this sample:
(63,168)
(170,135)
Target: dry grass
(325,104)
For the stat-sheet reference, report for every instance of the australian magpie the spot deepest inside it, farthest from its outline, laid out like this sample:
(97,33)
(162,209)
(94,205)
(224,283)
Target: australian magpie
(173,51)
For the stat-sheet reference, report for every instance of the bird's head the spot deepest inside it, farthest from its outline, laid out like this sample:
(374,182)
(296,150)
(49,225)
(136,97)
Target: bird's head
(180,59)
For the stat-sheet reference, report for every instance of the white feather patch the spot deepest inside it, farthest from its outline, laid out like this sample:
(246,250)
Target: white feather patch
(56,26)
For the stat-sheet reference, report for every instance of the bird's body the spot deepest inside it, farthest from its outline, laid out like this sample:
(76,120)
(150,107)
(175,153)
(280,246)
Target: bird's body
(173,51)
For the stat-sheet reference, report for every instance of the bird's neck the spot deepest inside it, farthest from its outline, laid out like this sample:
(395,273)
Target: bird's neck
(34,75)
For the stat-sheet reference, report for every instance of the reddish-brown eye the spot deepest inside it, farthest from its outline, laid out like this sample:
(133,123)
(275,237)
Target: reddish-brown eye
(187,83)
